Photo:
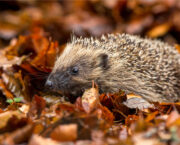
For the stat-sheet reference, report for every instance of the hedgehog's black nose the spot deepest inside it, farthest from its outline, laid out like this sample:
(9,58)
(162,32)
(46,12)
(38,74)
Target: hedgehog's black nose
(49,84)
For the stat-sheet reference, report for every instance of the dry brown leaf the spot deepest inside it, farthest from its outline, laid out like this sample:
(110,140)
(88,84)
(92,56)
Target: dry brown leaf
(123,133)
(46,57)
(36,107)
(159,30)
(19,136)
(38,140)
(137,25)
(177,47)
(68,132)
(31,57)
(137,102)
(5,91)
(151,116)
(4,117)
(106,114)
(38,128)
(62,107)
(140,140)
(5,63)
(130,119)
(90,99)
(24,108)
(174,115)
(13,84)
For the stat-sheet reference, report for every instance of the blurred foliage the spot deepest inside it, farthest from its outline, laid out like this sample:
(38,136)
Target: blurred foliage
(60,19)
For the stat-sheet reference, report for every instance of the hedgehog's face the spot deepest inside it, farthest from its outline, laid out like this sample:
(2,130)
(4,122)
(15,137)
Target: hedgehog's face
(75,70)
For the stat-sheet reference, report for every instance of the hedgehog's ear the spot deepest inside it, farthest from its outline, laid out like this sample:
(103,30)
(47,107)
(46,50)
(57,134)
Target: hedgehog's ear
(103,61)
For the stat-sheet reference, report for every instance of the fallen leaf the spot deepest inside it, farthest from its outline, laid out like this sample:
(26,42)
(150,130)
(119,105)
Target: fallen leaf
(5,91)
(5,116)
(137,102)
(177,47)
(12,84)
(19,136)
(123,133)
(38,140)
(131,119)
(159,30)
(36,107)
(66,132)
(106,114)
(5,63)
(151,116)
(138,139)
(90,99)
(173,116)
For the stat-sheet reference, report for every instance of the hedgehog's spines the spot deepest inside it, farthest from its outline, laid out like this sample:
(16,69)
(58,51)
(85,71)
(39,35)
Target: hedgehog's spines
(145,66)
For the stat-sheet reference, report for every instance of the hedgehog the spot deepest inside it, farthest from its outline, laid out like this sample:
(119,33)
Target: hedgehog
(142,66)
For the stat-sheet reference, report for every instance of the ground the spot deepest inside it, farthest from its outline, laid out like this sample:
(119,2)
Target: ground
(33,33)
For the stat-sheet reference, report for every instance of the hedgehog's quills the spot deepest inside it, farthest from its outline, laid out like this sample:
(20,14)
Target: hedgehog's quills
(149,68)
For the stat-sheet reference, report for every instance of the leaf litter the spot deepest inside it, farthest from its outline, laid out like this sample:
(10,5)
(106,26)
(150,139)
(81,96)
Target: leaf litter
(34,34)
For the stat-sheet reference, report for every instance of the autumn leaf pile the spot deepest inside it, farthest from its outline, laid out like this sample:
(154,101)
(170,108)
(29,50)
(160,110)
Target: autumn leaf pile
(34,33)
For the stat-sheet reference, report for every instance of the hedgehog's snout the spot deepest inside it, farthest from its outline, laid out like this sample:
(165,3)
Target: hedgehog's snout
(49,84)
(57,81)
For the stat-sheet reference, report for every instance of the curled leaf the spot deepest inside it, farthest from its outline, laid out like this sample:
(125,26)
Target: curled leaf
(90,99)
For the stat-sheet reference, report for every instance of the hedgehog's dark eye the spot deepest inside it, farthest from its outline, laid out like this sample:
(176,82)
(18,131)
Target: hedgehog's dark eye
(75,70)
